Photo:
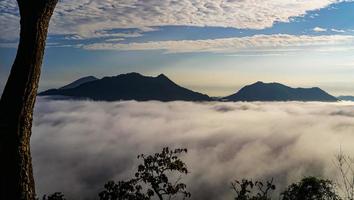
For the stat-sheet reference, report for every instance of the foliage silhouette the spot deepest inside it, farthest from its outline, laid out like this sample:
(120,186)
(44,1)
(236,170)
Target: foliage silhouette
(54,196)
(156,178)
(152,178)
(311,188)
(249,190)
(129,190)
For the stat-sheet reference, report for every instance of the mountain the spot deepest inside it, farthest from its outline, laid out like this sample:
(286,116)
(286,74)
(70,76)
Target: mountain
(346,98)
(131,86)
(260,91)
(79,82)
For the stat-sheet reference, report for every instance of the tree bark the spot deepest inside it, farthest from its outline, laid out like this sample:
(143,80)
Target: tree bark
(17,101)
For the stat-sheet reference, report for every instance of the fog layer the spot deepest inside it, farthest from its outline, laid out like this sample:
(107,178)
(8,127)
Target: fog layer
(77,146)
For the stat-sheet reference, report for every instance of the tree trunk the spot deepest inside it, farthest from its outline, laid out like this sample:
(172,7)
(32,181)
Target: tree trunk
(17,101)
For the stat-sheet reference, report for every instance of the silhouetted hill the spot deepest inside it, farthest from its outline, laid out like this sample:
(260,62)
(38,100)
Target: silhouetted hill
(260,91)
(346,98)
(79,82)
(132,86)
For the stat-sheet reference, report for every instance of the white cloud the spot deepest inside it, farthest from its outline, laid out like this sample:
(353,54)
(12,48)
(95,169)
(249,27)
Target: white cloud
(9,20)
(319,29)
(88,18)
(78,145)
(258,43)
(106,34)
(338,30)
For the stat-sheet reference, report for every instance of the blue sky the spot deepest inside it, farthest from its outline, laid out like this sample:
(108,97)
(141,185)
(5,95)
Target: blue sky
(214,47)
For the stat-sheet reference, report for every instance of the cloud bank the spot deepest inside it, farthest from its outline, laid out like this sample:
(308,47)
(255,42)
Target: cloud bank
(259,43)
(78,145)
(92,18)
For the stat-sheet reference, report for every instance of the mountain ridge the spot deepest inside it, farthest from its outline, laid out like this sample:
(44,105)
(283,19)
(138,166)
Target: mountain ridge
(130,86)
(134,86)
(79,82)
(346,98)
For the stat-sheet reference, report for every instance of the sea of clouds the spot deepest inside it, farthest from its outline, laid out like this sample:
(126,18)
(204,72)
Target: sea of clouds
(77,146)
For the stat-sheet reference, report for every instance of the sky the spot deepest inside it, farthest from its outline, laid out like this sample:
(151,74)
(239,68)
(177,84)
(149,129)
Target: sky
(210,46)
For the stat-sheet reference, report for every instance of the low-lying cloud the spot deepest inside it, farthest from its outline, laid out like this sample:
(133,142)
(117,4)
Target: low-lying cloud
(79,145)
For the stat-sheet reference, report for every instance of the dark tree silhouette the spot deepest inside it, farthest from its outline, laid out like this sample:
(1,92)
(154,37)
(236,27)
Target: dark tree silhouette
(311,188)
(249,190)
(125,190)
(54,196)
(153,176)
(18,98)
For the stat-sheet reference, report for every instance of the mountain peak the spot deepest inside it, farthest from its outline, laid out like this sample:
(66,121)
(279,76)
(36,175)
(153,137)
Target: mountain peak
(259,82)
(260,91)
(162,76)
(89,77)
(268,84)
(130,74)
(137,75)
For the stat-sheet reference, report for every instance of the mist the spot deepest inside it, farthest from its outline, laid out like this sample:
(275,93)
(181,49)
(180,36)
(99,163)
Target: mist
(77,146)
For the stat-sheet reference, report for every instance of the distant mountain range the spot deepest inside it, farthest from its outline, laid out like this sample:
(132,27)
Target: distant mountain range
(131,86)
(260,91)
(134,86)
(346,98)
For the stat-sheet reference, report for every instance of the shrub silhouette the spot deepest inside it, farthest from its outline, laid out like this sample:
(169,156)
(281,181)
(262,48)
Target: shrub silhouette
(311,188)
(249,190)
(54,196)
(151,179)
(155,178)
(129,190)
